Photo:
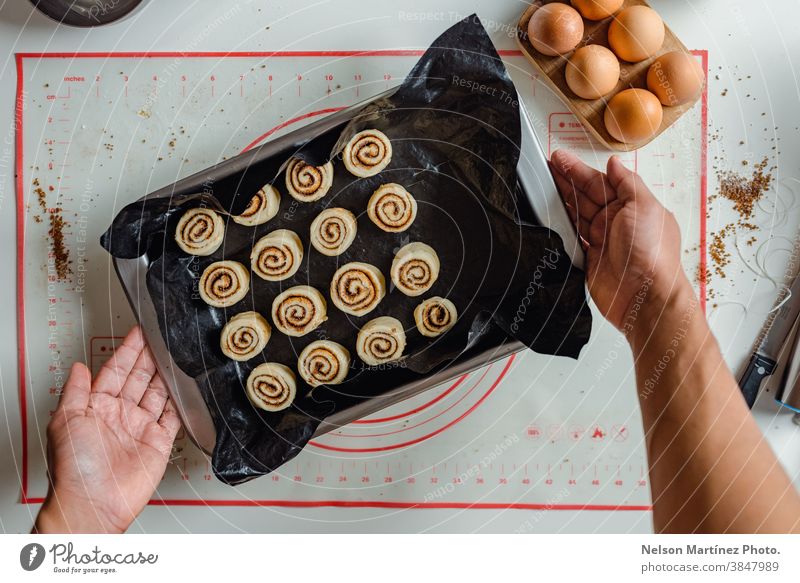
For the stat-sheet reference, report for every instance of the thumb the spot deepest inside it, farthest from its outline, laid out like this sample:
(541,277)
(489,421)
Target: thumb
(627,184)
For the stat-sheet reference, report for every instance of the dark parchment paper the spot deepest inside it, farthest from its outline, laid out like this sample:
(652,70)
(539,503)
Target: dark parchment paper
(455,131)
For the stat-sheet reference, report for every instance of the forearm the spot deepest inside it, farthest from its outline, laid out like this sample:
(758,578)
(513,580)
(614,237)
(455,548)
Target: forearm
(61,516)
(710,468)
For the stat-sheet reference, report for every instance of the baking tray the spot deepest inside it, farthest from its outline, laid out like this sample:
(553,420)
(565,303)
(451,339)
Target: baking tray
(535,182)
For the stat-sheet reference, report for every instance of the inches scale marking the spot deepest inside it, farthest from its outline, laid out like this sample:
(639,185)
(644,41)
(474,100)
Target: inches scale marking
(99,131)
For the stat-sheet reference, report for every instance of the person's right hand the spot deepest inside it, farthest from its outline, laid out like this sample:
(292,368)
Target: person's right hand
(632,242)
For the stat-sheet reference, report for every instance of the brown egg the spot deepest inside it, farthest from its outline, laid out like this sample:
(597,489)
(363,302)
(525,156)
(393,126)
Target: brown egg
(636,33)
(592,71)
(676,78)
(597,9)
(555,29)
(633,115)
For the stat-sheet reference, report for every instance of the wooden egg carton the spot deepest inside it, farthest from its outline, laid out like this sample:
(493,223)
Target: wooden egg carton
(633,75)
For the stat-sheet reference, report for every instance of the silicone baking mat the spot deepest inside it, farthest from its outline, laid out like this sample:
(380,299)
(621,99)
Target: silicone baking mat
(97,131)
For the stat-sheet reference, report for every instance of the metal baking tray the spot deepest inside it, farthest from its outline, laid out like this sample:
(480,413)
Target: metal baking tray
(534,180)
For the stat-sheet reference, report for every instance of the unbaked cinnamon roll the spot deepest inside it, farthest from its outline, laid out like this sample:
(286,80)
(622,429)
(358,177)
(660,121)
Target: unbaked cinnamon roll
(435,316)
(277,255)
(299,310)
(224,283)
(244,336)
(308,183)
(367,153)
(381,340)
(200,231)
(323,363)
(271,386)
(392,208)
(415,269)
(357,288)
(262,207)
(333,231)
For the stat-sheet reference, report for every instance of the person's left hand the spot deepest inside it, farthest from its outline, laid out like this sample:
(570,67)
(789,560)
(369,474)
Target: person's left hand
(108,443)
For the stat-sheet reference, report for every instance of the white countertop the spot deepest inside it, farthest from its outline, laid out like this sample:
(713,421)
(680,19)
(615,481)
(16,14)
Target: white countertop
(751,46)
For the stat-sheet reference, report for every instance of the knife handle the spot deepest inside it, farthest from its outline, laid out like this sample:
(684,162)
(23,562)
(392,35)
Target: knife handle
(759,368)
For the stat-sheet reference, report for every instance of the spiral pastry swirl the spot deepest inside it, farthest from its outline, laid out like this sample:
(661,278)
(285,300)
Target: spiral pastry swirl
(262,207)
(277,255)
(357,288)
(381,340)
(333,231)
(367,153)
(307,183)
(392,208)
(244,336)
(415,269)
(323,363)
(224,283)
(299,310)
(200,231)
(271,386)
(435,316)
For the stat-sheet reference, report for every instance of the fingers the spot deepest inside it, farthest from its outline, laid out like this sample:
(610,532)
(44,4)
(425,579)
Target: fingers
(114,373)
(170,421)
(140,377)
(75,395)
(626,183)
(588,181)
(155,397)
(577,205)
(599,229)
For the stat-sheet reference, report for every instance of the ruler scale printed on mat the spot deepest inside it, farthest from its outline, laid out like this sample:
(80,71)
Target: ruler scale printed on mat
(99,131)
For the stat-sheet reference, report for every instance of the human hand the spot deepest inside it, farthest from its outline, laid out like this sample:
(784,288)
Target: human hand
(108,443)
(632,242)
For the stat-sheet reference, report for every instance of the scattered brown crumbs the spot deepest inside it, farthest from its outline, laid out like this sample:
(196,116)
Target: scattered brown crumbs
(744,192)
(41,197)
(60,251)
(718,251)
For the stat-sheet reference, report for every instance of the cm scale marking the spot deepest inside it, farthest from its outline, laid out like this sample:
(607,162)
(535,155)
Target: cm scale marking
(96,131)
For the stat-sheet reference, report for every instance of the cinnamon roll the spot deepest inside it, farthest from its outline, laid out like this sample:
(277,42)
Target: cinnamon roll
(299,310)
(323,363)
(271,386)
(415,269)
(308,183)
(277,255)
(200,231)
(224,283)
(261,208)
(244,336)
(333,231)
(392,208)
(357,288)
(435,316)
(367,153)
(381,340)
